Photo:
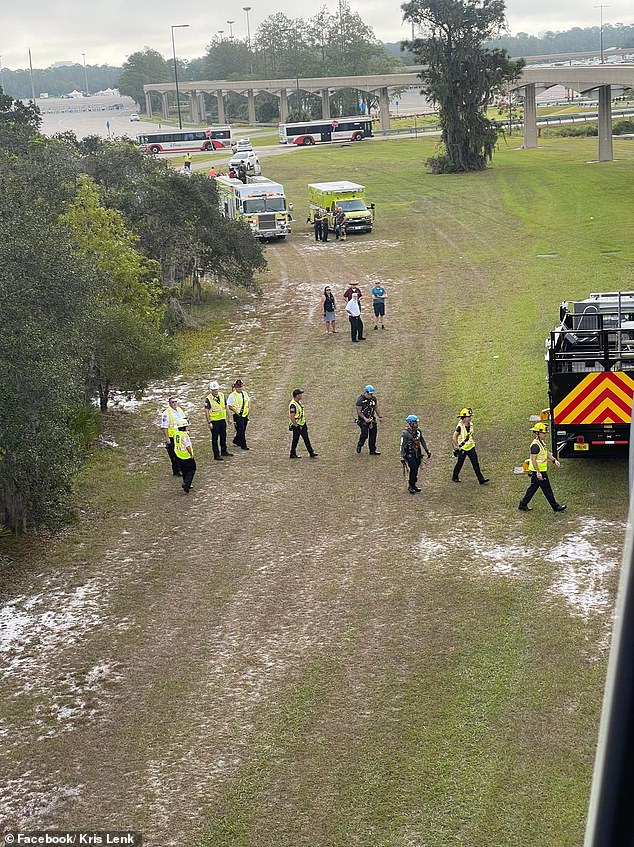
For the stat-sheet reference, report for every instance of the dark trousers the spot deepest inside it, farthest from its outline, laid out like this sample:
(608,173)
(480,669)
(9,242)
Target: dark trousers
(301,432)
(535,485)
(367,433)
(414,464)
(324,230)
(219,437)
(176,468)
(473,458)
(318,231)
(356,328)
(188,469)
(241,430)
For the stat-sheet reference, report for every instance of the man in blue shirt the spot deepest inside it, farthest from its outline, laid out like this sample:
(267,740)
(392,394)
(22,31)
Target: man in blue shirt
(378,303)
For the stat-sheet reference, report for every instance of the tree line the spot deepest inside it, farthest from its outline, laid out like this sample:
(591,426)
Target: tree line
(97,244)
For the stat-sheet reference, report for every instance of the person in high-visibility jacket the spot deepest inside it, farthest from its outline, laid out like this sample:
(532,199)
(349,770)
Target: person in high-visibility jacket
(538,470)
(216,415)
(297,424)
(188,161)
(239,405)
(170,418)
(184,450)
(464,446)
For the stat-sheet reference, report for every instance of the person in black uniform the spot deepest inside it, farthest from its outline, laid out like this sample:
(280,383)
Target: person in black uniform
(412,446)
(324,225)
(297,424)
(317,220)
(367,413)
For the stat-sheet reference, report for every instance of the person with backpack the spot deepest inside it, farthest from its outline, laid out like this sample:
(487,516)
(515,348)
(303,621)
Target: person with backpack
(412,446)
(367,408)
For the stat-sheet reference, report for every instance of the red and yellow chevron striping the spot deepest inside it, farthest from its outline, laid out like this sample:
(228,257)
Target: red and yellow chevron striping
(598,398)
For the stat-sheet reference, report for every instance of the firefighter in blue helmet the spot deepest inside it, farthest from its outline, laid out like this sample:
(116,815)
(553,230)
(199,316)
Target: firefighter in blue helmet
(412,447)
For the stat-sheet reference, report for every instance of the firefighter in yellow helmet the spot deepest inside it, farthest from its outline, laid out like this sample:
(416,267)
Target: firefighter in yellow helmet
(537,468)
(464,446)
(184,450)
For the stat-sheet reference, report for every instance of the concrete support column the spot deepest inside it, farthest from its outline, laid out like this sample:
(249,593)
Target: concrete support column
(165,104)
(148,104)
(283,105)
(202,112)
(606,150)
(193,107)
(530,117)
(325,103)
(384,108)
(251,107)
(221,107)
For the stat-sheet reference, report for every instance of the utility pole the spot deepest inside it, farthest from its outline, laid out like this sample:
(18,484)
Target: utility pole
(247,9)
(32,83)
(85,76)
(602,6)
(178,99)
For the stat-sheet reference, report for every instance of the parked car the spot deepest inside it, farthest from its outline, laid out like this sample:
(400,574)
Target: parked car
(249,159)
(134,117)
(241,145)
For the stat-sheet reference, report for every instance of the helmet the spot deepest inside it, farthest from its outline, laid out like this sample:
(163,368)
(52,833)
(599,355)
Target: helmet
(411,419)
(466,412)
(539,427)
(213,385)
(369,389)
(183,422)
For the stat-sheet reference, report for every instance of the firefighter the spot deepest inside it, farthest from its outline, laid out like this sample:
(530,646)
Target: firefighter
(464,446)
(170,416)
(238,404)
(538,470)
(216,415)
(412,447)
(185,452)
(367,407)
(188,161)
(297,424)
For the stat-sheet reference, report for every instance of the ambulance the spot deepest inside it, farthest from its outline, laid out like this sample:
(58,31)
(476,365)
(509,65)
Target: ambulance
(327,196)
(261,203)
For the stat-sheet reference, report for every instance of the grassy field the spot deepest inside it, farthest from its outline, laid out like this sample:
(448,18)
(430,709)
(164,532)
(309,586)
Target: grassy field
(308,656)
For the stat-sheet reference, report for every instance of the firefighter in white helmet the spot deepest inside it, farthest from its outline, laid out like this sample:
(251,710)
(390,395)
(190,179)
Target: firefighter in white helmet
(216,415)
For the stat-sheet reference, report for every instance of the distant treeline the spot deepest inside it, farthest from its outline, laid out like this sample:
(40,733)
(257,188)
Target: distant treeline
(60,80)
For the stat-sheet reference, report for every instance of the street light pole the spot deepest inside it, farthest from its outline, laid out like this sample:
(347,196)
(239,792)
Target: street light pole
(1,76)
(178,99)
(231,23)
(602,6)
(247,9)
(85,76)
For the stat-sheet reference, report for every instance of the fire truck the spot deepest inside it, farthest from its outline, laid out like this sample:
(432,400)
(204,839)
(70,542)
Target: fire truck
(590,361)
(261,203)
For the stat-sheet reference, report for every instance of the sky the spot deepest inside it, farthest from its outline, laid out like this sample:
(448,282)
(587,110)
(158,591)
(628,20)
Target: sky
(108,31)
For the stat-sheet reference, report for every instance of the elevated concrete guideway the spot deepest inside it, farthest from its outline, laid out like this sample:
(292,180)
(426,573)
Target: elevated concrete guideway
(581,78)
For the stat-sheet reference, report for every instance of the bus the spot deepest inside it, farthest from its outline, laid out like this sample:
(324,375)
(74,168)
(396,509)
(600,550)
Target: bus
(185,140)
(332,129)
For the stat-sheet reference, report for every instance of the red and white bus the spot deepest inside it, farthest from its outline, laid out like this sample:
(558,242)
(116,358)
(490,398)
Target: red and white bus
(331,129)
(185,140)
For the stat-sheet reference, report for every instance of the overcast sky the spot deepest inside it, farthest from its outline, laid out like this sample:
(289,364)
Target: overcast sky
(60,30)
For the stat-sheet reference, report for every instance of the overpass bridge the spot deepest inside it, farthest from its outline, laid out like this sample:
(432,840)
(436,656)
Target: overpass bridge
(581,78)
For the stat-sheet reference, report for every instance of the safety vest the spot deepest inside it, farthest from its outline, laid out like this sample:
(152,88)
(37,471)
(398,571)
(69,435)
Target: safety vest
(218,407)
(171,420)
(300,418)
(541,457)
(179,441)
(466,437)
(240,401)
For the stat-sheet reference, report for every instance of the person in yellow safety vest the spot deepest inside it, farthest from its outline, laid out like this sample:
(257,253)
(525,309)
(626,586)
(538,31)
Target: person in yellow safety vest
(238,405)
(464,446)
(297,424)
(170,417)
(184,450)
(216,415)
(188,161)
(538,470)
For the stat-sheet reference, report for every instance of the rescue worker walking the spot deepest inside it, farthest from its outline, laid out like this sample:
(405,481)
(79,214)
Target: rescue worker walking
(216,415)
(170,418)
(538,470)
(412,447)
(464,446)
(297,424)
(188,161)
(367,408)
(238,404)
(184,449)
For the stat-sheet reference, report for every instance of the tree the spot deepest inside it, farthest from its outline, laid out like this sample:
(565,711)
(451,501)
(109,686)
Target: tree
(19,122)
(461,75)
(141,69)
